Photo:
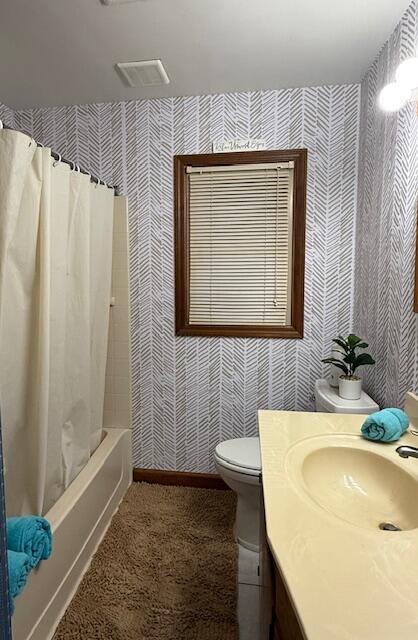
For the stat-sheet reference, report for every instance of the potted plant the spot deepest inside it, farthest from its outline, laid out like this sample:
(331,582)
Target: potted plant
(349,383)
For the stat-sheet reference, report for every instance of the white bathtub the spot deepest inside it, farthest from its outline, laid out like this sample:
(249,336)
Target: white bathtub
(79,521)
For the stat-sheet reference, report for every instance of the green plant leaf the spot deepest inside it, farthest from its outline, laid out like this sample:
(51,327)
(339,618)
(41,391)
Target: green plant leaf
(341,343)
(337,363)
(363,359)
(350,357)
(362,345)
(353,340)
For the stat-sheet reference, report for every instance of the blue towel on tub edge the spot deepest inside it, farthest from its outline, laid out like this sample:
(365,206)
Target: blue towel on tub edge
(30,535)
(19,566)
(385,426)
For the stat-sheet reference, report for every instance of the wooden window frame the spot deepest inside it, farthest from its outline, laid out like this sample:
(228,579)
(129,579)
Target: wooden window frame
(181,208)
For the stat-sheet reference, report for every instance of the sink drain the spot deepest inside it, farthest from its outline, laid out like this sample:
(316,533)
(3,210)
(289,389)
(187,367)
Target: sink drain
(388,526)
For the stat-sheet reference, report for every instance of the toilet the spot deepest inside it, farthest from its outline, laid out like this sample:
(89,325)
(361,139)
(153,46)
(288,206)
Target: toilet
(327,400)
(238,462)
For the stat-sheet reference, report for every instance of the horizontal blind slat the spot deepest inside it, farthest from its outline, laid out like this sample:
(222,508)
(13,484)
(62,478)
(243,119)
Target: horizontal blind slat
(239,245)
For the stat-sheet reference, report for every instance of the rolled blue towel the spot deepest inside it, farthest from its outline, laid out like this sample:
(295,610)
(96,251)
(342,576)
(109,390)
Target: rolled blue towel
(30,535)
(19,566)
(385,426)
(402,417)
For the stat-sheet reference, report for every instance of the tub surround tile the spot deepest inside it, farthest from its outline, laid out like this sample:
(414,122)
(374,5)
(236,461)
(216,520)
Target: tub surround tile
(118,393)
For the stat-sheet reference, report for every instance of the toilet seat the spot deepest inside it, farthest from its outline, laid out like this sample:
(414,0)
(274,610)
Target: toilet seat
(241,455)
(242,471)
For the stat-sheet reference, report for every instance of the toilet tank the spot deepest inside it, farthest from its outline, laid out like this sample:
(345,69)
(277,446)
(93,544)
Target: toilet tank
(327,400)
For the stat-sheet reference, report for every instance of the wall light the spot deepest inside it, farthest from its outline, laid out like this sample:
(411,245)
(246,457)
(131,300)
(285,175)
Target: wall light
(407,73)
(393,97)
(397,94)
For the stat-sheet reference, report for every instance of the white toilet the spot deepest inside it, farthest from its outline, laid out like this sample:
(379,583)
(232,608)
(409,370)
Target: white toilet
(327,400)
(238,462)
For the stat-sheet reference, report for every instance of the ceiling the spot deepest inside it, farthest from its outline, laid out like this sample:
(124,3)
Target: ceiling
(59,52)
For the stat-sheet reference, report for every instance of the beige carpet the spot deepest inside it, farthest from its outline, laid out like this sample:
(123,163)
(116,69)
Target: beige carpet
(166,570)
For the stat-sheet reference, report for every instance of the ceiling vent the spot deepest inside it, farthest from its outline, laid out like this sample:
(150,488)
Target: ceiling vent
(147,73)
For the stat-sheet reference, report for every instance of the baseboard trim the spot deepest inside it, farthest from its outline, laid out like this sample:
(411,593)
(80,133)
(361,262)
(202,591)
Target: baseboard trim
(179,478)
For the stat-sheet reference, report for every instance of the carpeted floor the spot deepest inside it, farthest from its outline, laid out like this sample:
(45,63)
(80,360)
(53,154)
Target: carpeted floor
(166,570)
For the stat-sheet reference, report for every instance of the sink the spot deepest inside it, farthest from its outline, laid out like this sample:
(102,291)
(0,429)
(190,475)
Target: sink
(345,477)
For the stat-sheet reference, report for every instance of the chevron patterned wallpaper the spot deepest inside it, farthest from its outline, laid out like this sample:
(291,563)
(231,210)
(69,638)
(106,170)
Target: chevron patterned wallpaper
(6,115)
(190,393)
(385,244)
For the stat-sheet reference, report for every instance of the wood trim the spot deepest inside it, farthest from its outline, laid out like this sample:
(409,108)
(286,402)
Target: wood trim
(179,478)
(183,328)
(239,331)
(286,624)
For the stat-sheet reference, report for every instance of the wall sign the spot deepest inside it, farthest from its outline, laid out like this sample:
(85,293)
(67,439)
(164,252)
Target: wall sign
(250,144)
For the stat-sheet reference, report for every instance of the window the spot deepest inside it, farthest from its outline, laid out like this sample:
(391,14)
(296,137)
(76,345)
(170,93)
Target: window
(240,236)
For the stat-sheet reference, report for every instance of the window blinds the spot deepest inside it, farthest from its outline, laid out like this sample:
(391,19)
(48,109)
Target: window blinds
(240,244)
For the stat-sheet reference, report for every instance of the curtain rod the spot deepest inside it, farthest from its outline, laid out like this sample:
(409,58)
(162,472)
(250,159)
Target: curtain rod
(58,157)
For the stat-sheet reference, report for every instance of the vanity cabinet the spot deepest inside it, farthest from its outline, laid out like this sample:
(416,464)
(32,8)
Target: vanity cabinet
(285,623)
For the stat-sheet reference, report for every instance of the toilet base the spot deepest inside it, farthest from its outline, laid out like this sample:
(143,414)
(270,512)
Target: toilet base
(248,545)
(248,489)
(247,523)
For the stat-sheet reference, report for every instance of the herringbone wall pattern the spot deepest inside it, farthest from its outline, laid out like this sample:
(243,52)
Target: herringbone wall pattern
(191,393)
(6,115)
(385,242)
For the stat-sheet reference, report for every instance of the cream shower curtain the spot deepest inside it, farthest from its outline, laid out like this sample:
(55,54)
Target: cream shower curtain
(55,274)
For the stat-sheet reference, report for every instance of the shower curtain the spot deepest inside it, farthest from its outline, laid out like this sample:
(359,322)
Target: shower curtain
(55,276)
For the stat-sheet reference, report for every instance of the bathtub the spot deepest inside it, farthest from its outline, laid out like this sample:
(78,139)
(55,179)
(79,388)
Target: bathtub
(79,521)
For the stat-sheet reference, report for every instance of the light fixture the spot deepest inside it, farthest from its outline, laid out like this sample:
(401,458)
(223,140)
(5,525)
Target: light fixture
(407,73)
(396,95)
(393,97)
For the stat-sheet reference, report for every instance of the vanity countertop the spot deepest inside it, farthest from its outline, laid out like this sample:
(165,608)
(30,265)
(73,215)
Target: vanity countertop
(345,582)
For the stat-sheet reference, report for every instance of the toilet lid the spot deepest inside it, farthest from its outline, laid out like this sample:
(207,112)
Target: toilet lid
(241,452)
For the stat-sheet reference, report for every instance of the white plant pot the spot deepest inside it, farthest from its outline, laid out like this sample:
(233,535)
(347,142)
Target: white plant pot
(350,388)
(334,377)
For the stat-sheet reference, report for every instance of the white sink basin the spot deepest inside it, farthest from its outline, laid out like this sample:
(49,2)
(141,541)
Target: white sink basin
(348,478)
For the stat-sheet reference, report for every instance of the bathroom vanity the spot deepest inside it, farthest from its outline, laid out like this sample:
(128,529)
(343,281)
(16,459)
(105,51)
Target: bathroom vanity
(286,625)
(329,496)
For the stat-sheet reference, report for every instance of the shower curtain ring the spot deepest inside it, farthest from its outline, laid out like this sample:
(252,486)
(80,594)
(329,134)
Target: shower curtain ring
(58,160)
(1,124)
